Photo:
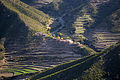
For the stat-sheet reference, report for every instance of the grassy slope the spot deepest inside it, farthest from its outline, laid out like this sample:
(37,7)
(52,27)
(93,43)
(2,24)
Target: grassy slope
(33,19)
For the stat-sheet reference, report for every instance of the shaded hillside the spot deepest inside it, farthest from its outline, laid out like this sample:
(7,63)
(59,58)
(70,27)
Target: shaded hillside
(10,26)
(55,7)
(114,19)
(107,9)
(106,67)
(8,18)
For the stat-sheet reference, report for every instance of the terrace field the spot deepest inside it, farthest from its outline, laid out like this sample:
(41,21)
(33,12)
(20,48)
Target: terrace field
(59,39)
(103,38)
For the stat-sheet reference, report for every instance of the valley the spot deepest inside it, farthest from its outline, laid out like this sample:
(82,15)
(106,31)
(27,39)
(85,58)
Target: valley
(56,39)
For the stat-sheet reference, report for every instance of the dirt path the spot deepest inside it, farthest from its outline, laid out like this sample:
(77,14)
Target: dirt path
(6,74)
(2,62)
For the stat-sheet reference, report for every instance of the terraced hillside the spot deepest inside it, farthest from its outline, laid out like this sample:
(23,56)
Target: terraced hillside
(90,18)
(103,38)
(80,27)
(29,46)
(58,71)
(106,32)
(34,43)
(84,15)
(18,23)
(40,55)
(106,39)
(74,69)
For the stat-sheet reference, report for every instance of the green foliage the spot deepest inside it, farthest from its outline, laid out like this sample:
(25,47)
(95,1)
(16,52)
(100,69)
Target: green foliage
(95,72)
(30,71)
(24,71)
(20,71)
(17,73)
(79,30)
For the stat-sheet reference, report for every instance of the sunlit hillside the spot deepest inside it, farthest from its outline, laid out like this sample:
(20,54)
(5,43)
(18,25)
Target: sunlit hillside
(59,39)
